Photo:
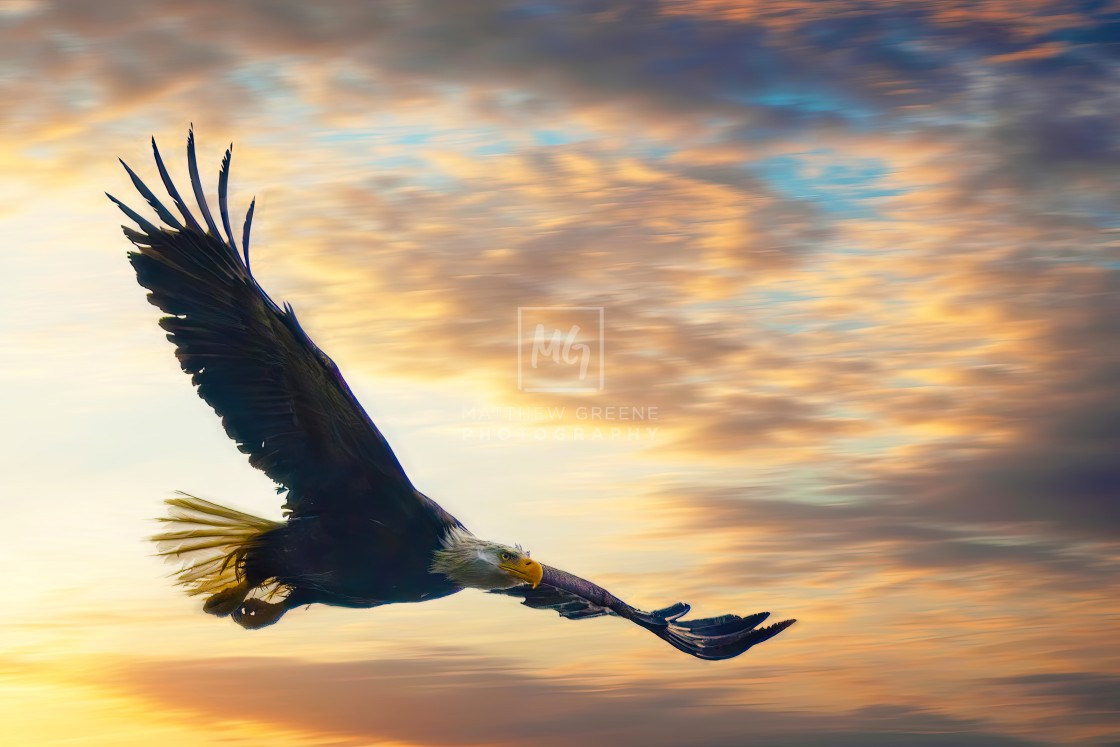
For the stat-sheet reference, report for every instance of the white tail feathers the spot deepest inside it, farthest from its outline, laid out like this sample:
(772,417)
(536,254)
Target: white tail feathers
(211,542)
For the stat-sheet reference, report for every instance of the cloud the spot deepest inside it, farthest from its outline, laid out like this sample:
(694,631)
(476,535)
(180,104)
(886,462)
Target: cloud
(785,540)
(454,698)
(767,72)
(861,258)
(1057,467)
(1093,696)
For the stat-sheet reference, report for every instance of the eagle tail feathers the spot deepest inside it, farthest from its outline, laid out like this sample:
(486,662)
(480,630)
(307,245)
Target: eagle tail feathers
(211,542)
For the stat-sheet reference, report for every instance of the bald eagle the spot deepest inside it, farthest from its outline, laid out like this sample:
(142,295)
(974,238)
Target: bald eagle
(356,532)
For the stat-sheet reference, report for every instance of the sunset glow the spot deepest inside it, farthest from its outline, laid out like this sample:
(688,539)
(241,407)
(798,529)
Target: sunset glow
(858,269)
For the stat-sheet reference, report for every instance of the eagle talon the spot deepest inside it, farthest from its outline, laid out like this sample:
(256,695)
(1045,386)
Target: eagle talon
(257,613)
(226,601)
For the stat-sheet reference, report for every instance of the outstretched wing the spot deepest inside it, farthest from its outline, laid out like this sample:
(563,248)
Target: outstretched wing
(720,637)
(279,396)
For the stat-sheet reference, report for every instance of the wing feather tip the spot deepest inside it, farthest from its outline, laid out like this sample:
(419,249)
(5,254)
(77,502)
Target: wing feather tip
(245,233)
(196,183)
(169,185)
(223,195)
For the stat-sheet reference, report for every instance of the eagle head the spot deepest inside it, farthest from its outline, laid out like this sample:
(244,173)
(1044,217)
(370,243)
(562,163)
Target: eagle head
(479,564)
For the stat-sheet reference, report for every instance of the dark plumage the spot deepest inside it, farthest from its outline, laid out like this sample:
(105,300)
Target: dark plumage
(357,533)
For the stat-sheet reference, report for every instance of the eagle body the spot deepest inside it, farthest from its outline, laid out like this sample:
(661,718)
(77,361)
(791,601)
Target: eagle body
(357,533)
(348,562)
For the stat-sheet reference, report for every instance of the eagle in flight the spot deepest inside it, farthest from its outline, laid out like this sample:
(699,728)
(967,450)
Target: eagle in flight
(357,532)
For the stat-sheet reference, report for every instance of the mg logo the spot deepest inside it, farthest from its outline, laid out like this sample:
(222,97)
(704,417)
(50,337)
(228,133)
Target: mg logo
(572,352)
(560,348)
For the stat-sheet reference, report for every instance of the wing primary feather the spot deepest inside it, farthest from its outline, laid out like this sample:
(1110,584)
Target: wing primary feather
(136,217)
(672,612)
(223,187)
(277,395)
(196,183)
(171,190)
(245,235)
(720,637)
(164,214)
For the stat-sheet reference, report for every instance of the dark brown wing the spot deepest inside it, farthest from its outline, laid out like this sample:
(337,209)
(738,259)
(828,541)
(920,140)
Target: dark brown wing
(720,637)
(279,396)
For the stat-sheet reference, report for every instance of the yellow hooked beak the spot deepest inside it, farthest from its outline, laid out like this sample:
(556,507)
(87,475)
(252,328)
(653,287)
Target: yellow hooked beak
(526,569)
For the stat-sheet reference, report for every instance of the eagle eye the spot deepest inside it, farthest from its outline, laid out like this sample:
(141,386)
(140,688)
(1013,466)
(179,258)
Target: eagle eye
(505,556)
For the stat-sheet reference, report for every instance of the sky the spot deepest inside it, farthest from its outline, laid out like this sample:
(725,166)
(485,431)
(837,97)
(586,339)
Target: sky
(853,349)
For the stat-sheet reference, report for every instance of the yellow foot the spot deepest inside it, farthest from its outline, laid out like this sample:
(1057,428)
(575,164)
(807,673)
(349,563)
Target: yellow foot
(256,613)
